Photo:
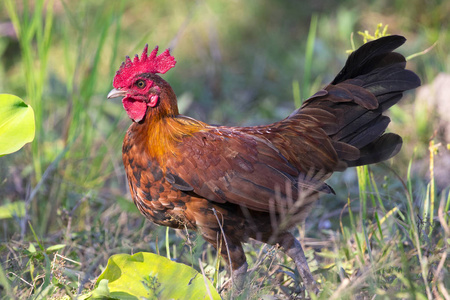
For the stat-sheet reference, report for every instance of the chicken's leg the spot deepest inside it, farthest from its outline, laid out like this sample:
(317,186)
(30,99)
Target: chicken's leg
(232,252)
(293,248)
(239,275)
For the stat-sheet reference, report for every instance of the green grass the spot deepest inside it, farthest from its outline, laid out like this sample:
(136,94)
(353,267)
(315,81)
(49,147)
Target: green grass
(386,233)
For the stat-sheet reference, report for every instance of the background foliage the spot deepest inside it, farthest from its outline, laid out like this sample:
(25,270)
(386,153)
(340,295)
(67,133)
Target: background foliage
(239,63)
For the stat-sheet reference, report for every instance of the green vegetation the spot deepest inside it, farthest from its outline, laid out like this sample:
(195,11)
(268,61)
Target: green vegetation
(64,198)
(16,124)
(153,277)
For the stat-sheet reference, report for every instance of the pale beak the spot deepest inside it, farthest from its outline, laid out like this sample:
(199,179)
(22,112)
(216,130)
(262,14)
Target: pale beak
(116,93)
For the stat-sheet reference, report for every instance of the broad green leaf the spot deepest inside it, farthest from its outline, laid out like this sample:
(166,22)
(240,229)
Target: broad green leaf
(150,276)
(16,124)
(9,210)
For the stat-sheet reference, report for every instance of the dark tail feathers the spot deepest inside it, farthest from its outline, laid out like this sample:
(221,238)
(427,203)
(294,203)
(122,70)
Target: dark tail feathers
(372,80)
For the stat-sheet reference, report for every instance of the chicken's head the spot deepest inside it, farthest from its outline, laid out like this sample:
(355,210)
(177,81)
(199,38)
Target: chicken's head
(136,81)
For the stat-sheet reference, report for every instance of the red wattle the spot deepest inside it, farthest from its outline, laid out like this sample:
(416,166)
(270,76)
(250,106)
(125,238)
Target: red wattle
(135,109)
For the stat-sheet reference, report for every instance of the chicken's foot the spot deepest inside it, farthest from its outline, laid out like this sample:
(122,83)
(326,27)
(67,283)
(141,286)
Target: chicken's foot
(293,249)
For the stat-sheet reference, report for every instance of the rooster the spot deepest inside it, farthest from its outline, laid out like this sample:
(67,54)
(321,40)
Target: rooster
(235,183)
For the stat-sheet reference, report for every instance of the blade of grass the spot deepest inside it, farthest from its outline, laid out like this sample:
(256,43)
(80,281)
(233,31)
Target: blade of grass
(433,150)
(309,53)
(362,172)
(377,228)
(447,208)
(355,233)
(167,243)
(372,280)
(377,193)
(415,234)
(115,44)
(296,93)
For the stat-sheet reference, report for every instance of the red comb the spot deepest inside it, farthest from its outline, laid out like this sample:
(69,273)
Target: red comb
(146,64)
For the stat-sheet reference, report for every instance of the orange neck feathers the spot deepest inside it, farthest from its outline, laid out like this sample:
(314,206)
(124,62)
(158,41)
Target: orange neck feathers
(164,134)
(163,128)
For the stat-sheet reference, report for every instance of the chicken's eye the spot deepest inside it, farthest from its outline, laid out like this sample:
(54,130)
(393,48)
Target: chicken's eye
(140,84)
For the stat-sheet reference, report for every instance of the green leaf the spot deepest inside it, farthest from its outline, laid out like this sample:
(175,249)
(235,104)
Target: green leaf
(9,210)
(55,247)
(150,276)
(31,248)
(16,124)
(102,290)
